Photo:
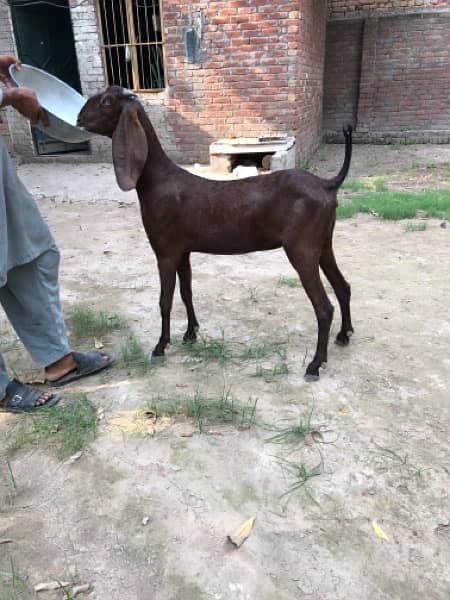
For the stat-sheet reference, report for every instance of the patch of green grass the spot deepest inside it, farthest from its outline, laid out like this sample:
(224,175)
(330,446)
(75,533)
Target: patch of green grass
(272,373)
(395,205)
(218,349)
(259,350)
(380,184)
(12,585)
(65,428)
(8,486)
(301,474)
(212,349)
(355,185)
(358,185)
(393,459)
(207,409)
(133,354)
(11,478)
(68,595)
(88,322)
(421,226)
(294,433)
(292,282)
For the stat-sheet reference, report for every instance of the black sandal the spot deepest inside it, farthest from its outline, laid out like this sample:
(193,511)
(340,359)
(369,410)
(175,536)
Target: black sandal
(20,397)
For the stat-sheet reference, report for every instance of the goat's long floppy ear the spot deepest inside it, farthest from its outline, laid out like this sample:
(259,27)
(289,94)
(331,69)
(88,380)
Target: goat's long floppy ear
(129,147)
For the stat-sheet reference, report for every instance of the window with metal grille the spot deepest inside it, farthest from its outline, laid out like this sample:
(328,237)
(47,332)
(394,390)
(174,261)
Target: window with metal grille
(132,43)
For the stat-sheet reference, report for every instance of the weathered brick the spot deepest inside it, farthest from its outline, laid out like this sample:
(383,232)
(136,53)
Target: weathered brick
(388,74)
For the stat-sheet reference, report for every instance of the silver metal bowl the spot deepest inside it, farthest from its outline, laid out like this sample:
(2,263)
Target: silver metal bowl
(61,102)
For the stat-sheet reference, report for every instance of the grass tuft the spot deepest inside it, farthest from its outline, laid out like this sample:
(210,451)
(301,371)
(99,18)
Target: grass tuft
(292,282)
(212,349)
(271,373)
(257,351)
(87,322)
(66,429)
(207,409)
(410,227)
(12,585)
(301,474)
(395,205)
(355,185)
(132,354)
(218,349)
(294,433)
(380,184)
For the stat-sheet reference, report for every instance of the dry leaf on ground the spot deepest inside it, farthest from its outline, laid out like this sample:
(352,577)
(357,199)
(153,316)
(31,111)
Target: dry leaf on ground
(379,532)
(239,536)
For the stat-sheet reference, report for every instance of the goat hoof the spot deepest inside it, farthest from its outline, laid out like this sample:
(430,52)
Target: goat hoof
(312,372)
(158,352)
(310,377)
(190,337)
(342,338)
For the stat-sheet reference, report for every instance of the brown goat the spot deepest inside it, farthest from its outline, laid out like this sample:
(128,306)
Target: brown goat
(183,213)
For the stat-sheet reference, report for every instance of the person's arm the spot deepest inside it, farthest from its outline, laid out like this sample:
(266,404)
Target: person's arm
(24,101)
(6,60)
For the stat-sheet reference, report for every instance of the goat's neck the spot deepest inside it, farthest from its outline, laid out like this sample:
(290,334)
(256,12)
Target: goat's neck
(157,159)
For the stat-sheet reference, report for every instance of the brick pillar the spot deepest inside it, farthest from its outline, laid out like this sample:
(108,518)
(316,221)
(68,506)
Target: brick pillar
(367,85)
(310,57)
(18,128)
(90,65)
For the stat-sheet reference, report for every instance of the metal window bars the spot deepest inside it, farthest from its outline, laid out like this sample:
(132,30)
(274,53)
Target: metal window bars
(132,43)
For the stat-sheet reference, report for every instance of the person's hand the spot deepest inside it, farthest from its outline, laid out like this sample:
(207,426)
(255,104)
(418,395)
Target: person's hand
(6,60)
(25,101)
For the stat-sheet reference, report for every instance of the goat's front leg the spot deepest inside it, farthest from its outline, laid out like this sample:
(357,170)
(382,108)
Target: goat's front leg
(185,277)
(167,274)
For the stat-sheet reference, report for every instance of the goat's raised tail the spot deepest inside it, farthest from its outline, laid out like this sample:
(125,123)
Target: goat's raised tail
(337,181)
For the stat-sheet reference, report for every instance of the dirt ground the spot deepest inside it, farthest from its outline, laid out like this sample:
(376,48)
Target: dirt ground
(382,406)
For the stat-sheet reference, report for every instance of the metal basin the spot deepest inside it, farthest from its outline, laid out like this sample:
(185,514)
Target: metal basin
(61,102)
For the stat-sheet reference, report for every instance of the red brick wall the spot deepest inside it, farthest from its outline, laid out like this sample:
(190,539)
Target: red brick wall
(311,64)
(413,74)
(341,85)
(404,81)
(344,8)
(261,72)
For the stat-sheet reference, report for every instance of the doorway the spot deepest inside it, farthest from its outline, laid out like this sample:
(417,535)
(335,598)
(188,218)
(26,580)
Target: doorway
(44,39)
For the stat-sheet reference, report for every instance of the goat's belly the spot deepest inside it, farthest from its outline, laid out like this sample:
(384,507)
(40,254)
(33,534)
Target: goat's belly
(237,248)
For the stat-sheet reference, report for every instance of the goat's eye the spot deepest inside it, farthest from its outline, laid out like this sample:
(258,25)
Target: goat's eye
(106,103)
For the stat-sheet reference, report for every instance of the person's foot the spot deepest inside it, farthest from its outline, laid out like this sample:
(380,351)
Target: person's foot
(20,397)
(77,365)
(61,367)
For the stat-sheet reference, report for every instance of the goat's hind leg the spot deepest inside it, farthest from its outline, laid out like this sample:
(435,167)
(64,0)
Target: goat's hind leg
(167,274)
(342,290)
(185,278)
(307,266)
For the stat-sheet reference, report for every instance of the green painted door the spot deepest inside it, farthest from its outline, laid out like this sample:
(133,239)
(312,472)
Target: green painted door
(44,39)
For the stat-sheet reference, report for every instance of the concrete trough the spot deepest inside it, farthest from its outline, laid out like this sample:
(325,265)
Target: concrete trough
(274,153)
